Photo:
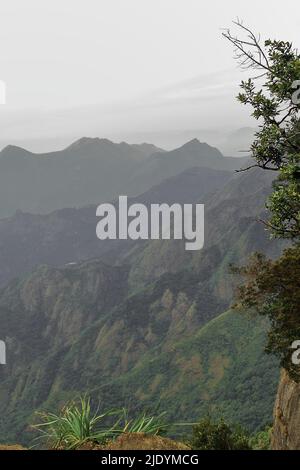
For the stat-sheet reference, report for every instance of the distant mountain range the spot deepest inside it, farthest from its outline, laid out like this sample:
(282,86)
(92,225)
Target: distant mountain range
(139,324)
(68,235)
(92,170)
(192,154)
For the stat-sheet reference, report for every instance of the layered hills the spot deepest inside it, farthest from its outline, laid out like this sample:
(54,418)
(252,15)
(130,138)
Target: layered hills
(91,171)
(69,235)
(142,325)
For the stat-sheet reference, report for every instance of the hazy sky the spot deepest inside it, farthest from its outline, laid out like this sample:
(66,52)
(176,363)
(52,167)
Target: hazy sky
(125,68)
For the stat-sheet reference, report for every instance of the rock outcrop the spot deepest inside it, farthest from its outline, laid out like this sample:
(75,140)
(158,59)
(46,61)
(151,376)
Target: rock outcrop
(286,433)
(141,441)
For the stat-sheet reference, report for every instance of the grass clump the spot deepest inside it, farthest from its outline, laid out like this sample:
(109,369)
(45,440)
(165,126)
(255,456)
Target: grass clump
(76,425)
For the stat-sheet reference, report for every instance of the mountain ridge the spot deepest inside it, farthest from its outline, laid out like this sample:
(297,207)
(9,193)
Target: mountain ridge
(92,171)
(69,234)
(149,330)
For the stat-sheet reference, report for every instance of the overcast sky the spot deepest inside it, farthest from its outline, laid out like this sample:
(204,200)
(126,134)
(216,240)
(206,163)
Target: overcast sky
(125,68)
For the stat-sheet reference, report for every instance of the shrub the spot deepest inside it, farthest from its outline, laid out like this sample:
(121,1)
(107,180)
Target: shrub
(262,439)
(209,435)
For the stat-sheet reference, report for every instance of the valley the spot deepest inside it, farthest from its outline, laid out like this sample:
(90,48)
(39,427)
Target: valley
(138,323)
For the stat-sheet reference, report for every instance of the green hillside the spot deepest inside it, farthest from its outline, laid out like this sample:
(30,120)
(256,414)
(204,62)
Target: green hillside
(147,332)
(157,348)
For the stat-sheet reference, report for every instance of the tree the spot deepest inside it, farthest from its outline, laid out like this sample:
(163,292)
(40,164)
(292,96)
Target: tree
(272,288)
(210,435)
(273,93)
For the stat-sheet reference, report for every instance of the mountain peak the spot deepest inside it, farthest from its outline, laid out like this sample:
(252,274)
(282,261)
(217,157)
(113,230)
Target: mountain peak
(84,141)
(13,149)
(194,143)
(196,147)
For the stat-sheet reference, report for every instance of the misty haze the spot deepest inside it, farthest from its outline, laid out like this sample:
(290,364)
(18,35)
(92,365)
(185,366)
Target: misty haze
(149,226)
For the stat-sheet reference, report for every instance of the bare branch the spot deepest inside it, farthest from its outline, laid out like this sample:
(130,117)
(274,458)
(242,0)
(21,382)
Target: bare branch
(247,58)
(256,165)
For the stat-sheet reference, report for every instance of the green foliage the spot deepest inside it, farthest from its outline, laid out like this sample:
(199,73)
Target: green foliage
(262,439)
(277,143)
(272,289)
(222,370)
(284,203)
(73,426)
(210,435)
(76,425)
(142,423)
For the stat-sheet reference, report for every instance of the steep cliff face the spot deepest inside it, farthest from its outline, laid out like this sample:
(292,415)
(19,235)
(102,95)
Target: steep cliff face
(77,329)
(286,434)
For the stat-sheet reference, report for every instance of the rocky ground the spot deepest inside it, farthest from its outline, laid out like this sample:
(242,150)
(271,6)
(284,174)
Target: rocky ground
(132,441)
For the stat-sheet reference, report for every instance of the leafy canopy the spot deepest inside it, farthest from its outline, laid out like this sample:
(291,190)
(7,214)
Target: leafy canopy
(276,105)
(273,287)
